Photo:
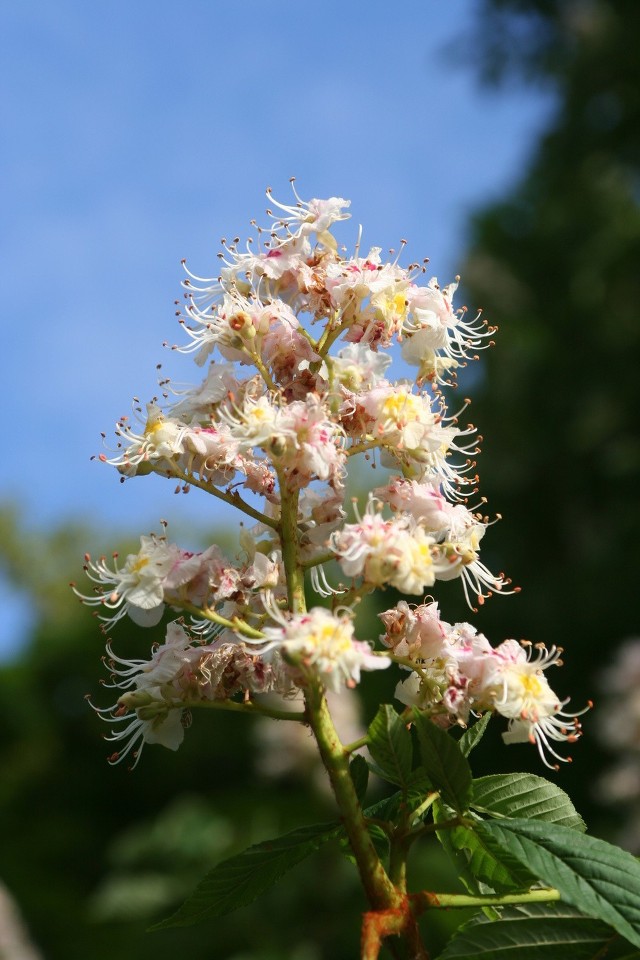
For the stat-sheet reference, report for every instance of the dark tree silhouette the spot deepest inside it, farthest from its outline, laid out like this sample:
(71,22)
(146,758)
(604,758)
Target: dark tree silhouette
(556,265)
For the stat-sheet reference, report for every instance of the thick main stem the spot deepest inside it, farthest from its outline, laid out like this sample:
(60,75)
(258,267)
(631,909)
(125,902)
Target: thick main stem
(380,891)
(389,901)
(289,537)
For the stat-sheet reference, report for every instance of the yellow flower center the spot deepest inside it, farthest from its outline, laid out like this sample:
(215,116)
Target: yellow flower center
(330,636)
(401,407)
(531,685)
(152,426)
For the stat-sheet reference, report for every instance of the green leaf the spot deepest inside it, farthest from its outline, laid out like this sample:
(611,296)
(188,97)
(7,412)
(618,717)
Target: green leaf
(360,775)
(536,932)
(599,879)
(444,764)
(239,880)
(473,735)
(523,794)
(484,863)
(460,858)
(390,746)
(527,797)
(385,809)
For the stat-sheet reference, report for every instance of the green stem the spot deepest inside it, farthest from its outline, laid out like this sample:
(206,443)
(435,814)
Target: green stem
(237,625)
(234,499)
(424,806)
(417,668)
(398,852)
(330,334)
(316,561)
(305,333)
(425,900)
(425,828)
(149,707)
(289,537)
(352,596)
(363,447)
(380,890)
(250,706)
(351,747)
(262,370)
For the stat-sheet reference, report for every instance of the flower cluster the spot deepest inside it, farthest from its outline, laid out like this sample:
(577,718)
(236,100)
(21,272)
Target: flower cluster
(162,574)
(182,672)
(456,672)
(293,339)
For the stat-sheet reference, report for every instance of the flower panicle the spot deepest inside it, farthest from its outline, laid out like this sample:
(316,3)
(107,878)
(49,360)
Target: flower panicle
(293,336)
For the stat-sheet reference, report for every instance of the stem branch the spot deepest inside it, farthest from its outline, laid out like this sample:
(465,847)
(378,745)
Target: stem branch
(237,625)
(248,706)
(426,900)
(234,499)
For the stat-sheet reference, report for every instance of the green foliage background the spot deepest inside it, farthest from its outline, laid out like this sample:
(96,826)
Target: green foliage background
(94,854)
(555,266)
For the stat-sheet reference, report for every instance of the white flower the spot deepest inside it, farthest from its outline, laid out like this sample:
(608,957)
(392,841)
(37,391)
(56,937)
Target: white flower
(180,672)
(520,692)
(313,216)
(285,433)
(280,258)
(323,644)
(424,501)
(313,447)
(211,452)
(253,425)
(420,349)
(440,329)
(432,305)
(364,549)
(417,633)
(358,368)
(135,588)
(394,552)
(161,440)
(454,558)
(401,418)
(198,401)
(148,716)
(414,568)
(236,324)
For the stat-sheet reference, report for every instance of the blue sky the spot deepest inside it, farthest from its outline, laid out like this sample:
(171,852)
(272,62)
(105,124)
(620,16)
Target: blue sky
(138,133)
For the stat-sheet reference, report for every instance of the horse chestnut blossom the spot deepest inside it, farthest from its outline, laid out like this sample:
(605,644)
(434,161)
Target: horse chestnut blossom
(296,341)
(294,338)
